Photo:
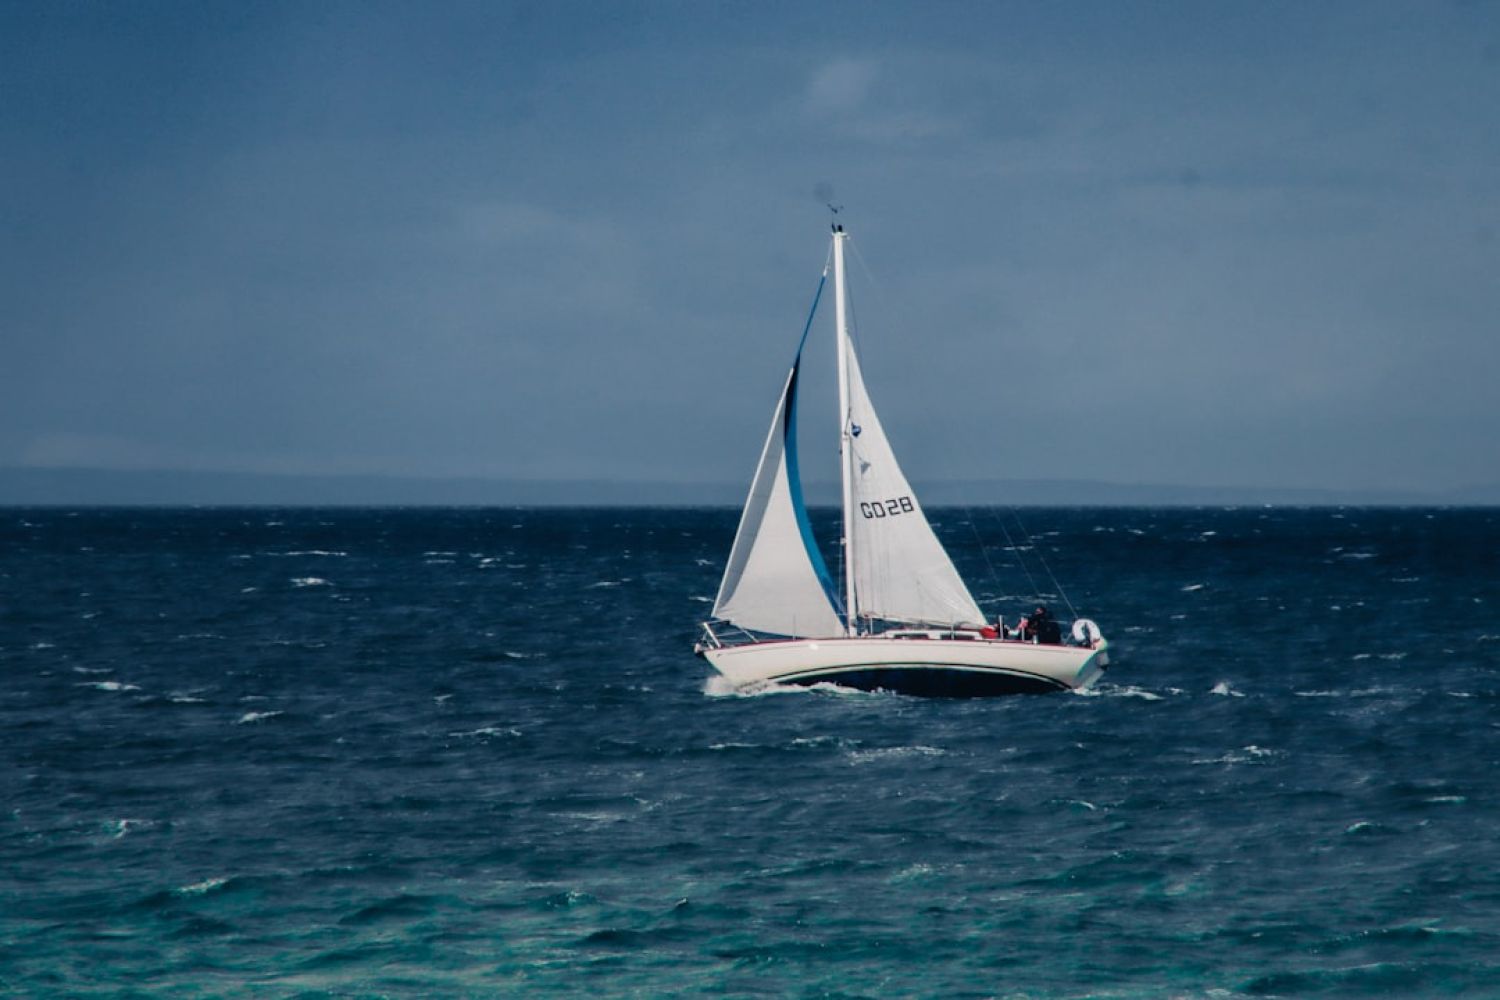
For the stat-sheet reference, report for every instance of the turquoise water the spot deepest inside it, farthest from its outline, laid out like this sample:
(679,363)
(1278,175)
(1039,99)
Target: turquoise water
(468,753)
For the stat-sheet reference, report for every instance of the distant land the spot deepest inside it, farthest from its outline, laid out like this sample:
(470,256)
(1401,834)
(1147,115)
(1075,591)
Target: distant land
(37,486)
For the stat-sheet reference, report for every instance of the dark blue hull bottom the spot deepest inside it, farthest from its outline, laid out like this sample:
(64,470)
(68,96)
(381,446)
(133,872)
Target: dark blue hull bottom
(926,682)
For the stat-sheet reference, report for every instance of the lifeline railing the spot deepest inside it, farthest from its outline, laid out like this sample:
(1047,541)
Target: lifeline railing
(718,634)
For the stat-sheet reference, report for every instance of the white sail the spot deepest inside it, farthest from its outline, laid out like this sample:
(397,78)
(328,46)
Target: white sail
(901,572)
(775,580)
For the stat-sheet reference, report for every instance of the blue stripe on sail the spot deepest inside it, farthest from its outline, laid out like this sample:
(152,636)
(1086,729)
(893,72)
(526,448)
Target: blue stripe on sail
(794,475)
(817,297)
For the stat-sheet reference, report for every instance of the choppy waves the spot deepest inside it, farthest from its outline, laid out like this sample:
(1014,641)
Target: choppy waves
(477,758)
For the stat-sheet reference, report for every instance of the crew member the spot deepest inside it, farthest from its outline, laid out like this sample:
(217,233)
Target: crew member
(1040,626)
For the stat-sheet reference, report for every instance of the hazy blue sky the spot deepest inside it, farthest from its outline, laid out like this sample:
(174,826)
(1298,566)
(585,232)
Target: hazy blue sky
(1202,243)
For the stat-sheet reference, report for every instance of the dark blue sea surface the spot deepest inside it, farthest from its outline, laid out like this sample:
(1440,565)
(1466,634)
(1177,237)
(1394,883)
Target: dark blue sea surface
(469,753)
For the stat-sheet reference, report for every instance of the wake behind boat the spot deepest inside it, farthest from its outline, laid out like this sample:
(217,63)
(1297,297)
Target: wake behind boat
(903,620)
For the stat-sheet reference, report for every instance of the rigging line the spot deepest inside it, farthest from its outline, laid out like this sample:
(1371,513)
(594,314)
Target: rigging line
(875,283)
(983,549)
(1020,556)
(894,316)
(1038,549)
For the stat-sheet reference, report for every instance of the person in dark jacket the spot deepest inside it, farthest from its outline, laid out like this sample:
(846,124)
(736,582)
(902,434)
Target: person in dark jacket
(1040,626)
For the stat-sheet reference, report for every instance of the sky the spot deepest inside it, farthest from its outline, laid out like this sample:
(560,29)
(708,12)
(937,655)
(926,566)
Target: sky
(1210,244)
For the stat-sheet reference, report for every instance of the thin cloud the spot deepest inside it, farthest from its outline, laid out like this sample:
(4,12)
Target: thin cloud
(840,87)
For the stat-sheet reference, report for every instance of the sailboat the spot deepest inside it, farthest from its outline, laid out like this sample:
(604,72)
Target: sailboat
(902,619)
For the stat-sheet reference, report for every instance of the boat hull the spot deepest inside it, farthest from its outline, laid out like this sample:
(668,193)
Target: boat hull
(934,668)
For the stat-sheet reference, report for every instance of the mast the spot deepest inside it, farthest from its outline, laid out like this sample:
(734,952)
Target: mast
(846,450)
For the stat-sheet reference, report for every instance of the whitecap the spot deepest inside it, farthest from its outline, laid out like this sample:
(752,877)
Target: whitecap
(719,686)
(598,818)
(701,599)
(828,687)
(823,741)
(1356,555)
(1393,656)
(1447,799)
(1111,691)
(1192,587)
(1244,755)
(886,753)
(110,686)
(310,581)
(249,717)
(120,827)
(918,870)
(93,670)
(603,583)
(187,699)
(1223,688)
(199,888)
(483,731)
(704,562)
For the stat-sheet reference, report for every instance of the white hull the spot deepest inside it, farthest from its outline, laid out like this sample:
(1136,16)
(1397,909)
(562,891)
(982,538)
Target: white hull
(920,666)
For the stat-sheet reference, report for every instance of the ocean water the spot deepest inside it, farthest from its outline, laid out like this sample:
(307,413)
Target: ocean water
(468,753)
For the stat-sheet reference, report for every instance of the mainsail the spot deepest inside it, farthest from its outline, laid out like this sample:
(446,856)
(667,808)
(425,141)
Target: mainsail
(900,571)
